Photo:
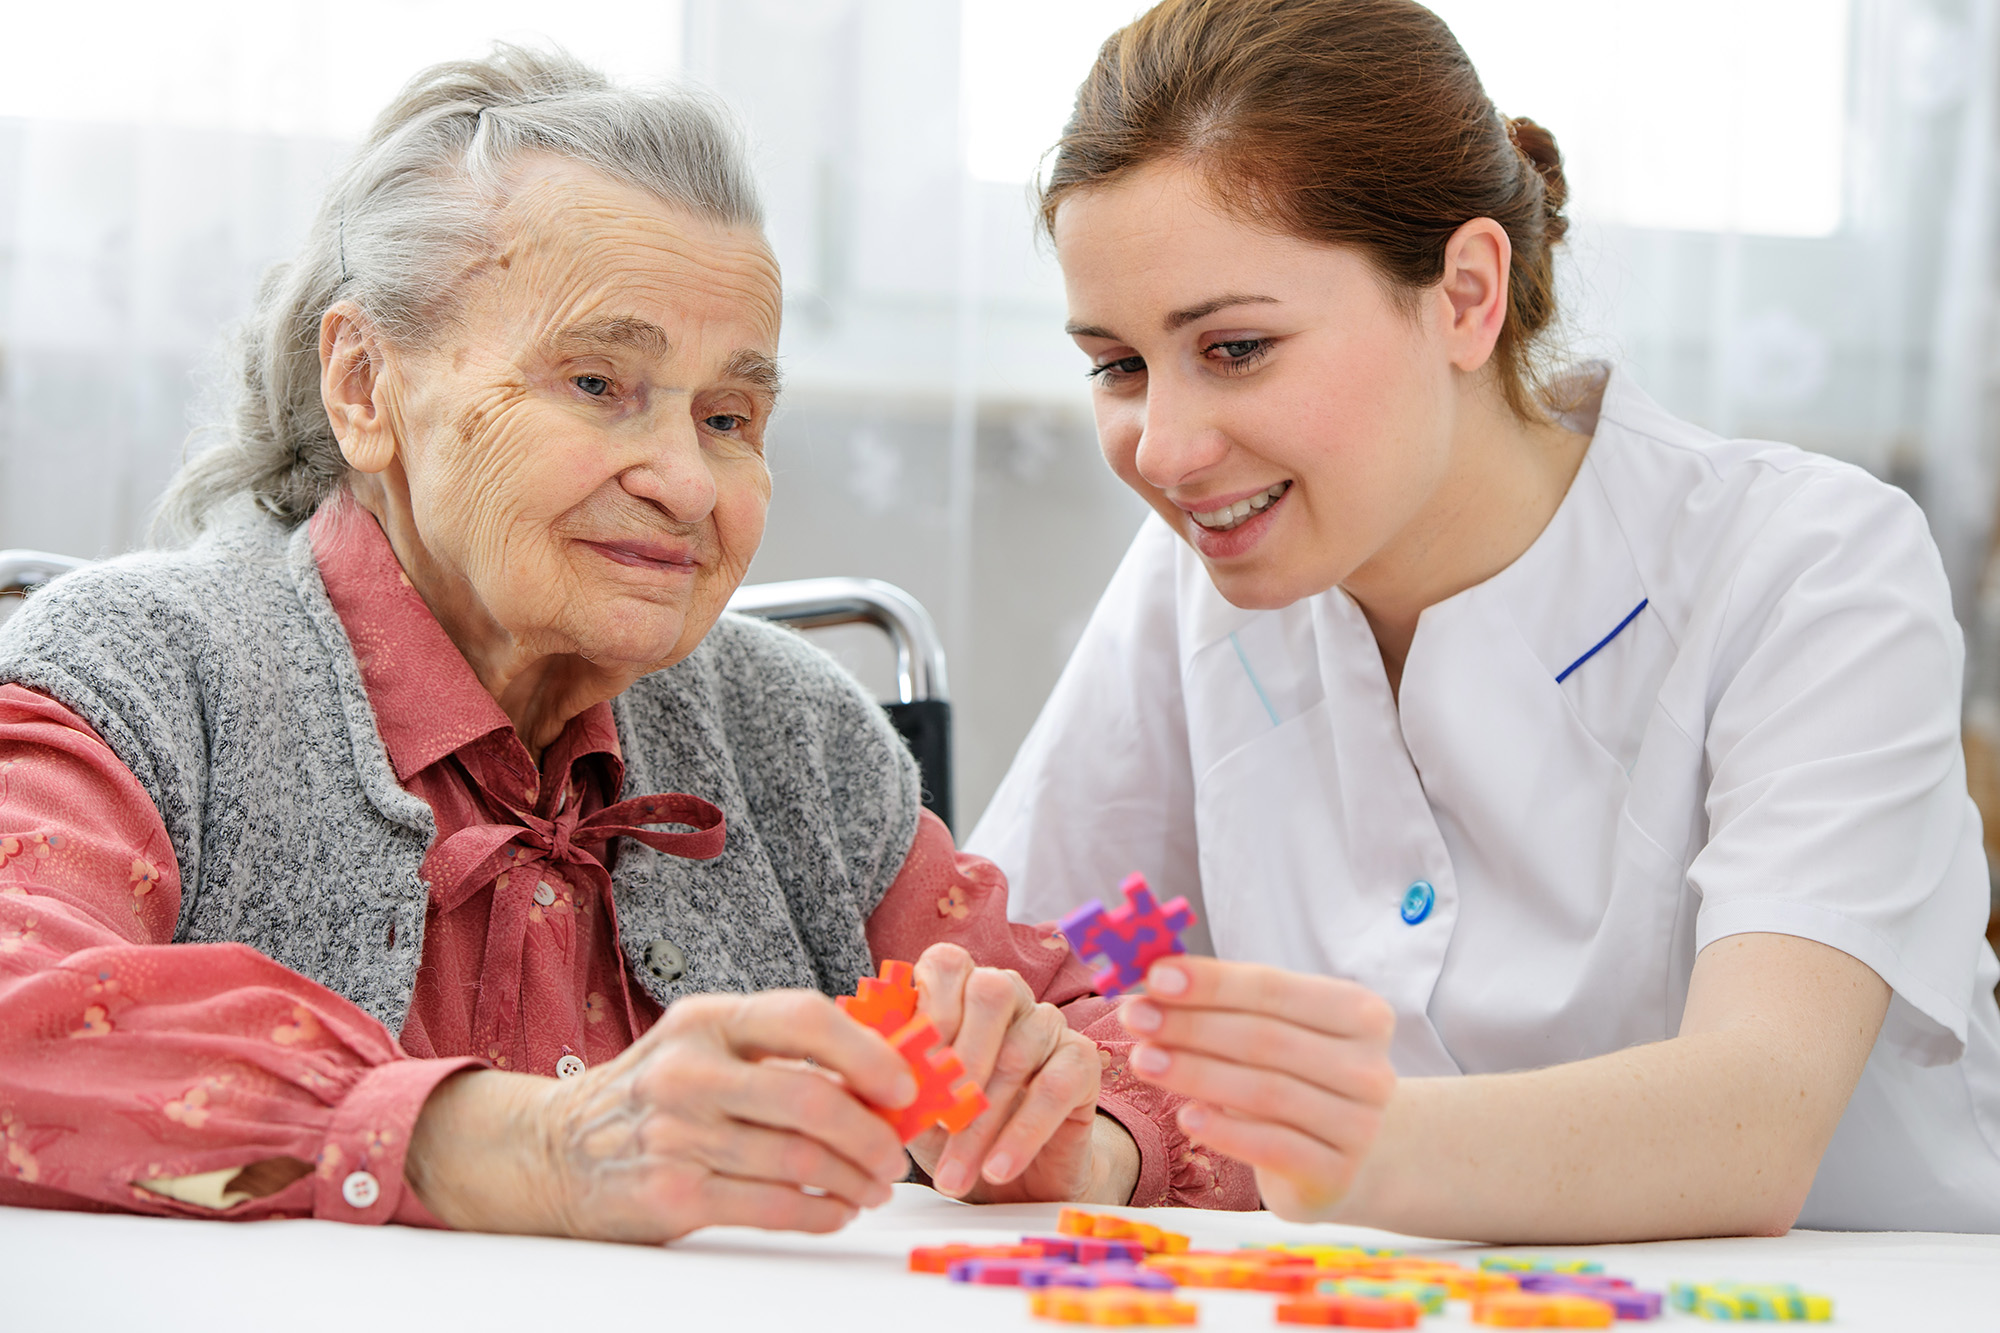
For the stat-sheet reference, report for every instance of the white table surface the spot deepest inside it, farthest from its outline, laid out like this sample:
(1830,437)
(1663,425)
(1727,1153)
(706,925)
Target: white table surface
(112,1273)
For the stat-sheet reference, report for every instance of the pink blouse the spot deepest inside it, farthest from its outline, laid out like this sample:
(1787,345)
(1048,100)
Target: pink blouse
(141,1075)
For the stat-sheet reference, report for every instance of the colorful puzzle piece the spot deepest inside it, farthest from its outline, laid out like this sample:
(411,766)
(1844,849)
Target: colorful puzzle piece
(884,1003)
(1000,1272)
(1428,1296)
(1092,1251)
(1349,1312)
(1517,1263)
(940,1258)
(1110,1226)
(1750,1300)
(945,1095)
(1525,1309)
(1110,1305)
(1207,1270)
(1115,1274)
(1129,937)
(1624,1300)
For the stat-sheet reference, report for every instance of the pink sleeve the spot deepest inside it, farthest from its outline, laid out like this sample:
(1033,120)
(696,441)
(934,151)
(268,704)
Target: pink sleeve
(125,1057)
(945,894)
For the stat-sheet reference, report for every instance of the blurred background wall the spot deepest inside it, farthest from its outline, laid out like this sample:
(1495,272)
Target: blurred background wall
(1785,223)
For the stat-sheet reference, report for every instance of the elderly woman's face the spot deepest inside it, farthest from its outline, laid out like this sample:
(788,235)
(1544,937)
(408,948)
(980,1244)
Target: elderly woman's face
(584,452)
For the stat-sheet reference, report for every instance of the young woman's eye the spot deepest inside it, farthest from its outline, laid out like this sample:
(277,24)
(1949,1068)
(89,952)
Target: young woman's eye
(1108,372)
(1237,353)
(594,385)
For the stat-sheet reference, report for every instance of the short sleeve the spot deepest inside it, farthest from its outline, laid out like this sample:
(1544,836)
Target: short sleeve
(1104,785)
(1837,804)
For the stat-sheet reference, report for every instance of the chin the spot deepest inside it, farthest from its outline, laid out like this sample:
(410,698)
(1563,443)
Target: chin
(1263,590)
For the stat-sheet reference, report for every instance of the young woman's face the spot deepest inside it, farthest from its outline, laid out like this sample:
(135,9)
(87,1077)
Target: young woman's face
(1265,394)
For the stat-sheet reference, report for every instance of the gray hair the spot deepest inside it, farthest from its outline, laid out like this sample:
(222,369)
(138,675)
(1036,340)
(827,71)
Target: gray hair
(414,207)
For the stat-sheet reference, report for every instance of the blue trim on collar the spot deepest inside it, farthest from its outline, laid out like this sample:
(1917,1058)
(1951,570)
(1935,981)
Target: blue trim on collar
(1256,684)
(1630,616)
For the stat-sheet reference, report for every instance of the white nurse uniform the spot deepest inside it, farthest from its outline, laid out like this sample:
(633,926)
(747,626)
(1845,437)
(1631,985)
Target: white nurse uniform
(1719,694)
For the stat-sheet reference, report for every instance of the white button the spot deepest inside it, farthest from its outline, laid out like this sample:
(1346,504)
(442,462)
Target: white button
(544,894)
(361,1190)
(569,1067)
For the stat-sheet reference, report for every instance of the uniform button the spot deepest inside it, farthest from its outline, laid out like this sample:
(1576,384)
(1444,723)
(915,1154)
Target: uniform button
(1418,900)
(544,894)
(665,960)
(361,1190)
(569,1066)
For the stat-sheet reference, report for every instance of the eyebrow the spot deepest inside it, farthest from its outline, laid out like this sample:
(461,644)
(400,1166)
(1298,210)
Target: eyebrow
(760,370)
(608,335)
(1179,319)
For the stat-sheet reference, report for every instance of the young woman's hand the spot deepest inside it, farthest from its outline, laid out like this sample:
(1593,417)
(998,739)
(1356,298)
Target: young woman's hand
(711,1118)
(1041,1138)
(1286,1072)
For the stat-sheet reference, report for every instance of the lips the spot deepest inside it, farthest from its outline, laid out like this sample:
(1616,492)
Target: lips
(671,558)
(1222,518)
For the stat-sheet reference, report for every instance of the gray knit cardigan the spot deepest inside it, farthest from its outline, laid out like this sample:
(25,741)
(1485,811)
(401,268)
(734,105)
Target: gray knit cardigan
(222,677)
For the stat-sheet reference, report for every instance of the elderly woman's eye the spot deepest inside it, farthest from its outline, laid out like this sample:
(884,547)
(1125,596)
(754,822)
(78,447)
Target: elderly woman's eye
(594,385)
(723,422)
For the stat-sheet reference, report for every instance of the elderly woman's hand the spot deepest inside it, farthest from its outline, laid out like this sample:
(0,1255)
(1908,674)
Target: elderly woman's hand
(1041,1139)
(710,1118)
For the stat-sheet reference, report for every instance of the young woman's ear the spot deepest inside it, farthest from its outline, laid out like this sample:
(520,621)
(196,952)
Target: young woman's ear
(1473,291)
(351,386)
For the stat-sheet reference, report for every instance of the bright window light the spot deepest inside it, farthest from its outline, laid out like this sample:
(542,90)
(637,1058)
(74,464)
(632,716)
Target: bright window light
(1022,62)
(291,66)
(1704,115)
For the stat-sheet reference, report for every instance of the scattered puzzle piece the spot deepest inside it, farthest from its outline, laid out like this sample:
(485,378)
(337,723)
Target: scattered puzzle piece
(1625,1301)
(1524,1309)
(884,1003)
(945,1095)
(1053,1247)
(1112,1305)
(940,1258)
(1207,1270)
(1130,937)
(1115,1274)
(1092,1251)
(1010,1272)
(1428,1296)
(1515,1263)
(1349,1312)
(1110,1226)
(1750,1300)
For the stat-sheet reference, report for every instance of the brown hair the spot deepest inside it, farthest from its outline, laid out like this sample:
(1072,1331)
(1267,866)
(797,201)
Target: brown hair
(1350,122)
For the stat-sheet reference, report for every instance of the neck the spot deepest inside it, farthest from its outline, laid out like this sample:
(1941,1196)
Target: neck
(540,690)
(1503,482)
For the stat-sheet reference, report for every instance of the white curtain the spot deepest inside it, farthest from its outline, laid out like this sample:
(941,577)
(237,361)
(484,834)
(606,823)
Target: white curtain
(937,431)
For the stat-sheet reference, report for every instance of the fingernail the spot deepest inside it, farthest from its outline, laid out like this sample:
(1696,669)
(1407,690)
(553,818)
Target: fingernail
(1142,1017)
(1193,1116)
(1150,1060)
(1167,979)
(999,1167)
(952,1178)
(880,1195)
(905,1091)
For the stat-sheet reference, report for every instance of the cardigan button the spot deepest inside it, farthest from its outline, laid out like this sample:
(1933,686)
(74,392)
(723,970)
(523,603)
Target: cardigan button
(665,960)
(569,1066)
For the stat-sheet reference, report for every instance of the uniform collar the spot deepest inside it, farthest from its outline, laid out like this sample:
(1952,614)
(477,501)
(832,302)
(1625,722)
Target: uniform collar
(428,702)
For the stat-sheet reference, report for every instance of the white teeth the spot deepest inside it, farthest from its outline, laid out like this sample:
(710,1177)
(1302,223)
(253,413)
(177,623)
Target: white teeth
(1222,520)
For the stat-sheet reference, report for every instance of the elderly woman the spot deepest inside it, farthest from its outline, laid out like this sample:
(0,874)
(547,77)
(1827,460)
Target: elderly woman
(422,842)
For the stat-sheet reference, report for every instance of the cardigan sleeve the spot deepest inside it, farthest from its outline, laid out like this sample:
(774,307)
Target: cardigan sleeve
(945,894)
(140,1075)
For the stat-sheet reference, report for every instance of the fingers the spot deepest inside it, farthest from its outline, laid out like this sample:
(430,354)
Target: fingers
(1264,1094)
(998,1005)
(812,1106)
(751,1152)
(752,1203)
(1345,1066)
(1046,1076)
(807,1025)
(940,975)
(1332,1005)
(1317,1172)
(1064,1090)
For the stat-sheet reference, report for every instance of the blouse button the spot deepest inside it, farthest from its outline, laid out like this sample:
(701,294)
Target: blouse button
(1418,900)
(361,1190)
(544,895)
(569,1066)
(665,960)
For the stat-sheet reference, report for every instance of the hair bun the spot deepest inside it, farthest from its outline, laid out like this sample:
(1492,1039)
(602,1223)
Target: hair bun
(1539,147)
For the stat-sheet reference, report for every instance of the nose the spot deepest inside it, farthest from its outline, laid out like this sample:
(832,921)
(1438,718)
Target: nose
(674,473)
(1178,437)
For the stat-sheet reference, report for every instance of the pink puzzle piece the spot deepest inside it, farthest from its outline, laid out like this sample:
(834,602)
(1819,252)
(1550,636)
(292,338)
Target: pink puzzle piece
(1129,937)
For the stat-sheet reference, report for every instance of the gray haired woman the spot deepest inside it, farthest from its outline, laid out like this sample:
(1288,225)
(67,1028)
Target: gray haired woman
(436,728)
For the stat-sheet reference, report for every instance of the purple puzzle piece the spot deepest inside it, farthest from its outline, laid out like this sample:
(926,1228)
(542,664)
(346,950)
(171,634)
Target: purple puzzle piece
(1099,1275)
(1129,937)
(1614,1292)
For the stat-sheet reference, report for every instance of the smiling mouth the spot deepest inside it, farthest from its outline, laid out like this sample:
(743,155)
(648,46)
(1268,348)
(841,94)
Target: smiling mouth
(644,555)
(1222,520)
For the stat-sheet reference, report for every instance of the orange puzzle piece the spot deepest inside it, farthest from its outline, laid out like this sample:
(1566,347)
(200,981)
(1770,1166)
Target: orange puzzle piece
(1534,1310)
(940,1258)
(884,1003)
(1350,1311)
(1110,1305)
(945,1094)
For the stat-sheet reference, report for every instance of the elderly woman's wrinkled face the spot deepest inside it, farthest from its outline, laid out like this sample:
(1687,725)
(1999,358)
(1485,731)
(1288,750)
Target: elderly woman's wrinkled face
(584,451)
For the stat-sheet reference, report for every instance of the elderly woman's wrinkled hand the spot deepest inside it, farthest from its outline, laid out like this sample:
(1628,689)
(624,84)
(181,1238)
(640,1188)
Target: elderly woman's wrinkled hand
(1041,1138)
(710,1119)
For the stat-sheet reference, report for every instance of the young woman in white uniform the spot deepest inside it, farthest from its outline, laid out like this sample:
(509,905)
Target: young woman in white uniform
(1621,761)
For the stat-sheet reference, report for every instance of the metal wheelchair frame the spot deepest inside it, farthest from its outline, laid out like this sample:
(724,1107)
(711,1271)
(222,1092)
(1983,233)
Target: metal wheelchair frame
(921,711)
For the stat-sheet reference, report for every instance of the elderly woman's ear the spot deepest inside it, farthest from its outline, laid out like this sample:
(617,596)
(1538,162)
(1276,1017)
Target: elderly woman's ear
(352,384)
